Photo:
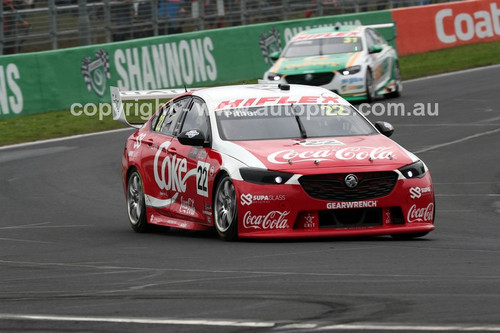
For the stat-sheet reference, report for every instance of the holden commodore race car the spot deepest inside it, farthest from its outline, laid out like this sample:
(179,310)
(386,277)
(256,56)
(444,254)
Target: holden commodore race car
(270,161)
(353,61)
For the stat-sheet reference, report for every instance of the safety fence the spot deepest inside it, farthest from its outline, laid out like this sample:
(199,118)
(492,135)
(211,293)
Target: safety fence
(31,25)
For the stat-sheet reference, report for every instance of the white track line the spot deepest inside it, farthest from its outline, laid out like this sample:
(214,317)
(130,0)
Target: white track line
(253,324)
(157,321)
(470,70)
(416,327)
(457,141)
(78,136)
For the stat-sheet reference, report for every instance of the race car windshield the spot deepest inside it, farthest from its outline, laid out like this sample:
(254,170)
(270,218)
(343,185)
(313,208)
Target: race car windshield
(291,121)
(323,46)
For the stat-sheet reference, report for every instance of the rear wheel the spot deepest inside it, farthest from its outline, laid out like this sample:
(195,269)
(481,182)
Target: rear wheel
(226,210)
(136,207)
(398,82)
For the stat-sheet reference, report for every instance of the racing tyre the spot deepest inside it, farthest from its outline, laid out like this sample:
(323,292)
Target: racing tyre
(370,89)
(409,236)
(398,81)
(136,207)
(226,210)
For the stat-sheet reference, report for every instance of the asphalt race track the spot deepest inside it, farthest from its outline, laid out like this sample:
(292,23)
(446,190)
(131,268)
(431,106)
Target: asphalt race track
(69,262)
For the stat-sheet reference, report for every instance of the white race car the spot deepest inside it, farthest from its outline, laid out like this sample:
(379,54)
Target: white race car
(355,62)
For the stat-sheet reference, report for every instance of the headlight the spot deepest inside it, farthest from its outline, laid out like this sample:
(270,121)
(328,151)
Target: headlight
(264,177)
(273,77)
(350,70)
(414,170)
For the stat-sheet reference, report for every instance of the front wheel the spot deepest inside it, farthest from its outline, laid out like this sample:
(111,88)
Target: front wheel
(226,210)
(136,207)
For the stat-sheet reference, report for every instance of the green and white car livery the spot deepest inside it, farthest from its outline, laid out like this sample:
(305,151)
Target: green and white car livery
(353,61)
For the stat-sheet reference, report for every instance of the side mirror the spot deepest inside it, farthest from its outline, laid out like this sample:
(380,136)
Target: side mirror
(385,128)
(375,49)
(192,137)
(275,55)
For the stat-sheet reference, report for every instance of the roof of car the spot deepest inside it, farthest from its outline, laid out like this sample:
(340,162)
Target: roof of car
(265,95)
(329,32)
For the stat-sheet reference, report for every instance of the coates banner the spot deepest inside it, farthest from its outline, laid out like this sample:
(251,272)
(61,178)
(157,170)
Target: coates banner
(434,27)
(54,80)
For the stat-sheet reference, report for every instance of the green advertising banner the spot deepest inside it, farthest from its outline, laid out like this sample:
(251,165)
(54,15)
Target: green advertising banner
(56,80)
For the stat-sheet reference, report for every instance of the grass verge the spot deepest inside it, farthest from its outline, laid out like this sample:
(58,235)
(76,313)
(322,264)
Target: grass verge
(63,123)
(450,60)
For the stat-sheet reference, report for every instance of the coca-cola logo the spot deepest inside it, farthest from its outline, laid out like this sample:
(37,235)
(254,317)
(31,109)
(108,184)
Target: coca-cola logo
(171,173)
(344,154)
(273,220)
(187,206)
(420,214)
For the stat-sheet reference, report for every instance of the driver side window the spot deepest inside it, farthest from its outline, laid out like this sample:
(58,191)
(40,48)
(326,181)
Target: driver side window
(169,120)
(196,118)
(370,41)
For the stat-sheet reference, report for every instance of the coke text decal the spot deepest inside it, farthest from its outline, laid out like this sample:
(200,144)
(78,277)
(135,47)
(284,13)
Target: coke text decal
(424,214)
(345,154)
(272,220)
(172,173)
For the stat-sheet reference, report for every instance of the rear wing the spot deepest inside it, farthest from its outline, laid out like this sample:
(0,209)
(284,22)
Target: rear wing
(385,25)
(117,98)
(380,26)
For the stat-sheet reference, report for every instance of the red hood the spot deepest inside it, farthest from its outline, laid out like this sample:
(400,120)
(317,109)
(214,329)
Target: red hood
(343,154)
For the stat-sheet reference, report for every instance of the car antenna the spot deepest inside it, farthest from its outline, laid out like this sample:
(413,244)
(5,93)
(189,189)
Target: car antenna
(185,89)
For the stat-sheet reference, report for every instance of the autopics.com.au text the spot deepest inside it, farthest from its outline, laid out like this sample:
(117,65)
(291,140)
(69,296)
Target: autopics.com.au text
(145,109)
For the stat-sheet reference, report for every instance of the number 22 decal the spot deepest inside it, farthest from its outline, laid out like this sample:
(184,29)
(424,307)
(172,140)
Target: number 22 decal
(202,178)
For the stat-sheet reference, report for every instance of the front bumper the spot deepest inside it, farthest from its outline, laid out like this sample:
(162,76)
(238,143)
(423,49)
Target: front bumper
(287,211)
(351,87)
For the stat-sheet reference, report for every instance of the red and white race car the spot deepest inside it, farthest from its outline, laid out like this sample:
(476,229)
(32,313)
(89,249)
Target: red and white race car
(270,161)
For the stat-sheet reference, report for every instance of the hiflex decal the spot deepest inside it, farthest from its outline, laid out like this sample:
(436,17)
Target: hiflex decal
(270,100)
(96,72)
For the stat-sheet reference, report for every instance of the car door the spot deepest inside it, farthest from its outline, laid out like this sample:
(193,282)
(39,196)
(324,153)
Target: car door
(382,61)
(193,201)
(159,164)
